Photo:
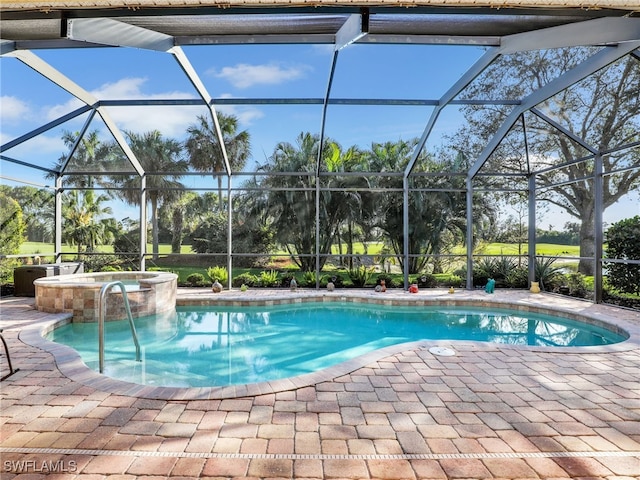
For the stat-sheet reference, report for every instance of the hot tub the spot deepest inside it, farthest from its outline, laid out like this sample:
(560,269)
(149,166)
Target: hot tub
(148,293)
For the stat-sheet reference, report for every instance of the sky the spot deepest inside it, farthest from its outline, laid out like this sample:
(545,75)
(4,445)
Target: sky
(241,71)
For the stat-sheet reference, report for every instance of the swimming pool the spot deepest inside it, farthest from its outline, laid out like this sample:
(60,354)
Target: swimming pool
(225,345)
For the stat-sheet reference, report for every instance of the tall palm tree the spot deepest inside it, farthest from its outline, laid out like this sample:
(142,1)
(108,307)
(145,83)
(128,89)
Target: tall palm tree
(204,151)
(85,224)
(437,218)
(91,155)
(288,201)
(162,162)
(347,196)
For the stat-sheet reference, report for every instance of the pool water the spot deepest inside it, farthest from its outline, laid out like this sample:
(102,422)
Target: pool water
(217,346)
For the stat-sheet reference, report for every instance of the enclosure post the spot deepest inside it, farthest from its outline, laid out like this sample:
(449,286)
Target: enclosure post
(143,222)
(469,233)
(405,228)
(318,229)
(599,229)
(531,231)
(229,234)
(325,104)
(57,240)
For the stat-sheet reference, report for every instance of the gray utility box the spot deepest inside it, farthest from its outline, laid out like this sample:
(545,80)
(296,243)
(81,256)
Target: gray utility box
(23,277)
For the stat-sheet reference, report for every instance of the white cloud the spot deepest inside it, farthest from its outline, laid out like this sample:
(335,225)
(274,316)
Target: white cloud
(12,109)
(170,120)
(244,75)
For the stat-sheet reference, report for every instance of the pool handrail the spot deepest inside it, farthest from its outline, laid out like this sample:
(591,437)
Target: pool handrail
(102,314)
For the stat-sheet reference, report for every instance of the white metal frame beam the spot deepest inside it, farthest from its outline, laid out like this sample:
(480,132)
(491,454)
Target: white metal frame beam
(106,31)
(195,80)
(53,75)
(352,30)
(601,31)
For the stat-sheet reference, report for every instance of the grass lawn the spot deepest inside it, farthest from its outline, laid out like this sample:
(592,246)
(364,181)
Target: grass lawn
(547,249)
(31,248)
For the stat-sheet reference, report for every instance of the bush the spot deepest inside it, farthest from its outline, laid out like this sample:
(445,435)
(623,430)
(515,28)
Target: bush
(11,235)
(196,280)
(518,278)
(388,280)
(247,279)
(498,268)
(360,275)
(455,281)
(128,242)
(218,274)
(269,279)
(112,268)
(426,280)
(101,263)
(308,279)
(622,243)
(577,285)
(285,280)
(548,275)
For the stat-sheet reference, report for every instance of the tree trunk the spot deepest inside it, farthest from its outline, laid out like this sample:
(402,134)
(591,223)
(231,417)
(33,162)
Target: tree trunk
(587,243)
(178,223)
(220,203)
(154,225)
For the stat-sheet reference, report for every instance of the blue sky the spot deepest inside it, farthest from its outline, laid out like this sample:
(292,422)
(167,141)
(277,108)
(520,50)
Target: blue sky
(289,71)
(249,71)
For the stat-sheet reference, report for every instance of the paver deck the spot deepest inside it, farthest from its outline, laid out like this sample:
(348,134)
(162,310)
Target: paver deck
(490,411)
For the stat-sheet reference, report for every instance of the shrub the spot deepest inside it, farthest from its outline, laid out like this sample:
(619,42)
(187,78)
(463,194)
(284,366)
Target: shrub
(518,277)
(247,279)
(336,278)
(285,280)
(308,279)
(269,278)
(547,274)
(100,263)
(360,275)
(622,243)
(219,274)
(388,280)
(196,280)
(455,281)
(497,268)
(112,268)
(426,280)
(210,236)
(11,235)
(577,285)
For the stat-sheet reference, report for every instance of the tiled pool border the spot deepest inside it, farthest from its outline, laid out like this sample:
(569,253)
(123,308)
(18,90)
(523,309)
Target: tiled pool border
(616,319)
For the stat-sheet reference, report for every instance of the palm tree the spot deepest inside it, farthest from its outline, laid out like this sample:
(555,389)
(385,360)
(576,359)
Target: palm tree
(347,196)
(162,162)
(288,201)
(91,155)
(85,224)
(204,150)
(437,217)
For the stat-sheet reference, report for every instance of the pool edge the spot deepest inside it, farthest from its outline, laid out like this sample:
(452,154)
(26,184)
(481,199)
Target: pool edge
(70,364)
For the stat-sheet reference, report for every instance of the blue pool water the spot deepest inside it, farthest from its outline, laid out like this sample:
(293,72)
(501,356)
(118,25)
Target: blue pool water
(215,346)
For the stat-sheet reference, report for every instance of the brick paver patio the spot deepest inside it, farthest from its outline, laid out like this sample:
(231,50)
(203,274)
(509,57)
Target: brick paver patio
(489,411)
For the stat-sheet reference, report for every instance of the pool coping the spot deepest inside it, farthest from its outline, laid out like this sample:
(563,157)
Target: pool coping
(71,365)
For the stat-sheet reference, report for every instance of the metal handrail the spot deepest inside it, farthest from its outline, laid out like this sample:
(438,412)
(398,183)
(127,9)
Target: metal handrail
(102,314)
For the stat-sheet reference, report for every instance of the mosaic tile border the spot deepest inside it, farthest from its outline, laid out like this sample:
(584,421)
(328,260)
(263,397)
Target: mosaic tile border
(297,456)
